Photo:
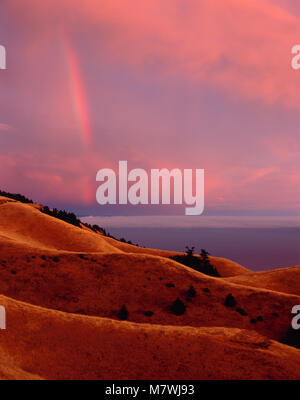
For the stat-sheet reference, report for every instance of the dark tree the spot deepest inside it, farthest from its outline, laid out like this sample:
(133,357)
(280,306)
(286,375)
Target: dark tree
(204,256)
(190,251)
(178,307)
(241,311)
(191,292)
(201,263)
(70,218)
(230,301)
(15,196)
(123,313)
(148,313)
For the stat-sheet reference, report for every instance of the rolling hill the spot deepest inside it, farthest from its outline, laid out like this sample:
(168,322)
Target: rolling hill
(64,286)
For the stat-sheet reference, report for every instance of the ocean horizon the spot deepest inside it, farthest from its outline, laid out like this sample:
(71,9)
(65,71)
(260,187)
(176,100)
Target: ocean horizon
(258,243)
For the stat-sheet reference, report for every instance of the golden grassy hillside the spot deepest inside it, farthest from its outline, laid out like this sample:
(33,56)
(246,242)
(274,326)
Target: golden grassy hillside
(56,345)
(285,280)
(63,288)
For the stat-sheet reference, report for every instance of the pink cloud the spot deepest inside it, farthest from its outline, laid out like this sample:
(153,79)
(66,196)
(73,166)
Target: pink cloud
(242,47)
(5,127)
(261,173)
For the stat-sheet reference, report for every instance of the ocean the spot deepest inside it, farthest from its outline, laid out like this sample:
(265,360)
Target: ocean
(258,243)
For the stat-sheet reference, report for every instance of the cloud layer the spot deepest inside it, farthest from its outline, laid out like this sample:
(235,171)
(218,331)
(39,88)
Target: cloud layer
(161,84)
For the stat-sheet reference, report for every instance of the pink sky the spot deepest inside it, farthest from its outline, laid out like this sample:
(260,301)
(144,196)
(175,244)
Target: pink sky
(161,84)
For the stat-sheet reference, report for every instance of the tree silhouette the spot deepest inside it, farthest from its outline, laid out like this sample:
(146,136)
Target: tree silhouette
(191,292)
(15,196)
(189,251)
(204,256)
(199,263)
(123,313)
(230,301)
(178,307)
(70,218)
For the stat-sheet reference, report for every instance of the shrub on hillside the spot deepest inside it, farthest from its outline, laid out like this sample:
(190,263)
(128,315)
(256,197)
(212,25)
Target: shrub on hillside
(241,311)
(200,264)
(14,196)
(178,307)
(95,228)
(148,313)
(191,292)
(230,301)
(63,215)
(123,313)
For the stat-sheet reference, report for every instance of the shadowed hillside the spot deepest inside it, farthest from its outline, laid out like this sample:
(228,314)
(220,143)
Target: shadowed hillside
(69,287)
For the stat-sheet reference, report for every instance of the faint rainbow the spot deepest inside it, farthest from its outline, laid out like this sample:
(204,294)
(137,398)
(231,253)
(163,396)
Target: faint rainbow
(78,93)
